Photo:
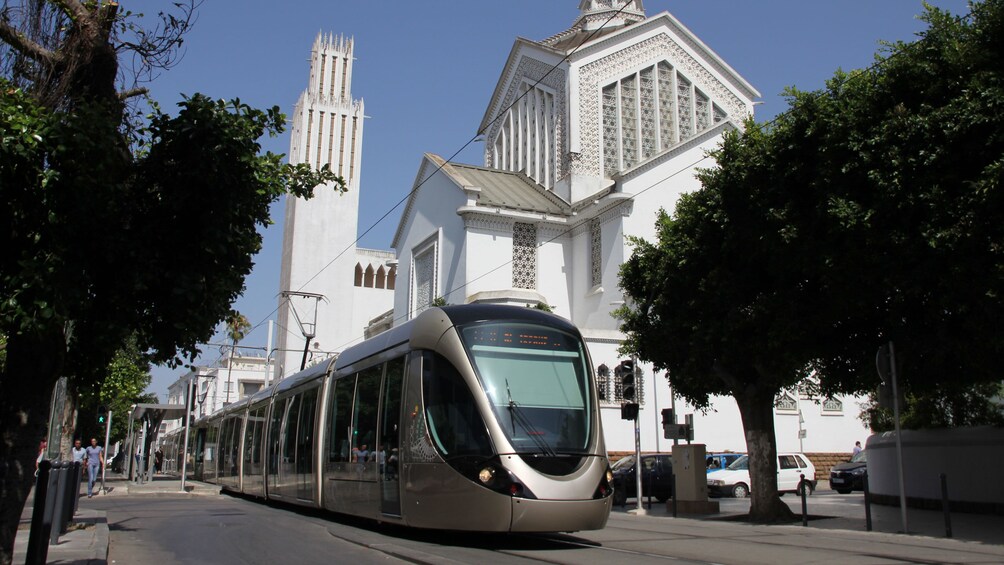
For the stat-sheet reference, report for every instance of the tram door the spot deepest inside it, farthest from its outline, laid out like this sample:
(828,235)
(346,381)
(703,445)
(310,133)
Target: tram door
(305,446)
(390,435)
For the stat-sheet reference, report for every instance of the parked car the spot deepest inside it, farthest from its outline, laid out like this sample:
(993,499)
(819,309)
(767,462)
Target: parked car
(716,461)
(656,477)
(735,479)
(848,476)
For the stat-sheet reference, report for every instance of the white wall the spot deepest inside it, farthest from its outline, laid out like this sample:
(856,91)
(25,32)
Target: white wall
(971,458)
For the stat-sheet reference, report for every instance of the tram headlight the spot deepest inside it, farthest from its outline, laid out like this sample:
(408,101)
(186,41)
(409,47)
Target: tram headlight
(486,475)
(610,476)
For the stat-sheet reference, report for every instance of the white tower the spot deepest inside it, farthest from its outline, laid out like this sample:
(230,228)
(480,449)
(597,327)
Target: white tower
(318,252)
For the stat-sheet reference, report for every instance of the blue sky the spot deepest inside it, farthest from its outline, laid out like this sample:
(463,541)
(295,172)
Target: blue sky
(426,70)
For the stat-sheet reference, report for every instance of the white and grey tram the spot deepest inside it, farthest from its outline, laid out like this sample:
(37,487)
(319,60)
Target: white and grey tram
(475,417)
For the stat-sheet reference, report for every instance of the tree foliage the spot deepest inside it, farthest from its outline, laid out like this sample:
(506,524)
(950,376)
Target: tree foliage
(124,383)
(868,212)
(113,226)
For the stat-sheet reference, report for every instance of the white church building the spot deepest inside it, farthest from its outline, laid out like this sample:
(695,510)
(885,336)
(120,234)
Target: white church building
(587,134)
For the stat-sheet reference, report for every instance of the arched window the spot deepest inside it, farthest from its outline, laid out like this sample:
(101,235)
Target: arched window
(391,278)
(381,277)
(359,275)
(368,280)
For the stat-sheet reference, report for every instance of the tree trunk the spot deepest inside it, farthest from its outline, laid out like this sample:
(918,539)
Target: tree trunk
(33,366)
(66,416)
(757,410)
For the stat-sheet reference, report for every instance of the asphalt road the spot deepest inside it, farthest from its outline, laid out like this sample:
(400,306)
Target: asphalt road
(169,529)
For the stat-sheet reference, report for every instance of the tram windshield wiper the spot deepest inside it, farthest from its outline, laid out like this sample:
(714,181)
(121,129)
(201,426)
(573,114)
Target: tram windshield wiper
(516,416)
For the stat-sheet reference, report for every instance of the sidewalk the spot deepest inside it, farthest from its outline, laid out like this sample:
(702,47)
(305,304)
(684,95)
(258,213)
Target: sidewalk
(829,511)
(86,539)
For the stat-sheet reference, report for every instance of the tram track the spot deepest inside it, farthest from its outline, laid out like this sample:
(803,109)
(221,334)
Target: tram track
(521,547)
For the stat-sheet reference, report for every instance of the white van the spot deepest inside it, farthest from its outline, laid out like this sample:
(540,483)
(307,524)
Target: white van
(734,480)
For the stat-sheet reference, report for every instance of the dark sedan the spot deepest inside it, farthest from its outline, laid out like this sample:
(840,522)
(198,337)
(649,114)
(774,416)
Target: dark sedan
(656,477)
(845,477)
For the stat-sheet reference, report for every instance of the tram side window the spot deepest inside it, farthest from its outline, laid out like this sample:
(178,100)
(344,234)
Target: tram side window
(390,426)
(454,422)
(339,413)
(211,437)
(275,427)
(305,432)
(226,429)
(364,417)
(251,438)
(289,430)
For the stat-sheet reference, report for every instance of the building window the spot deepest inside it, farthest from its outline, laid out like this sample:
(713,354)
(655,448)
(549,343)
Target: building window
(649,111)
(368,277)
(595,256)
(391,278)
(359,275)
(526,141)
(424,261)
(786,403)
(603,382)
(247,389)
(832,405)
(381,278)
(524,256)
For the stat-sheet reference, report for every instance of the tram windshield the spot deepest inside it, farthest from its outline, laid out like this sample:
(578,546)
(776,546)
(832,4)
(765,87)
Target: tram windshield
(537,380)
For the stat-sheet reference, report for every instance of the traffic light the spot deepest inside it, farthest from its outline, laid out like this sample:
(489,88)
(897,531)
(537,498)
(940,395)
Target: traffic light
(625,374)
(668,420)
(629,411)
(102,415)
(603,372)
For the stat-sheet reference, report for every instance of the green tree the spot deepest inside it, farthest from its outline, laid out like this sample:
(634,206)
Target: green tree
(237,327)
(113,225)
(867,213)
(124,383)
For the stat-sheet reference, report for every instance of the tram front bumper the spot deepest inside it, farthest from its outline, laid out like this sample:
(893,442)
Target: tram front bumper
(530,515)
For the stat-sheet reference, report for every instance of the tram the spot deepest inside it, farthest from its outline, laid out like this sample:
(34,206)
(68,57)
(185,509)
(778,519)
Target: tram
(472,417)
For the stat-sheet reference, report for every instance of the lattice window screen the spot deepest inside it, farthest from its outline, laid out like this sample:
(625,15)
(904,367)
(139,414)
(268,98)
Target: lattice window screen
(424,280)
(595,257)
(524,256)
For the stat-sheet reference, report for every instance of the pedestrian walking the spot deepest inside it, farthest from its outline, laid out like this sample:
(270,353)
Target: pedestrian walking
(41,454)
(95,463)
(857,448)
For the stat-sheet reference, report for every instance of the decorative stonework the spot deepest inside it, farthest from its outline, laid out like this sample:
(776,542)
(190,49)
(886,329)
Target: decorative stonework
(621,210)
(832,405)
(595,75)
(595,253)
(531,70)
(786,403)
(486,223)
(524,255)
(546,233)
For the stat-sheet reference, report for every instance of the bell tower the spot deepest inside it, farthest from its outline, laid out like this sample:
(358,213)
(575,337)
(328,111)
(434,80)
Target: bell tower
(596,13)
(318,249)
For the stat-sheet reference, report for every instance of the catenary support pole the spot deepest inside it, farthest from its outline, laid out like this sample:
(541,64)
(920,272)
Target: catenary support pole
(945,505)
(189,400)
(899,438)
(104,453)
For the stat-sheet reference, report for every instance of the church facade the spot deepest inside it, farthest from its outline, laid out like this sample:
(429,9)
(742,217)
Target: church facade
(587,135)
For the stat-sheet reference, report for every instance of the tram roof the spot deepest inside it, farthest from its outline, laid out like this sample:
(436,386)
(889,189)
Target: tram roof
(303,376)
(458,314)
(154,411)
